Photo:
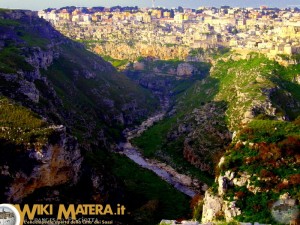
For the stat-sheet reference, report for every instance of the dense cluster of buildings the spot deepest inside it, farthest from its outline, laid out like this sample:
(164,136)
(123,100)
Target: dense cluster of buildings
(270,31)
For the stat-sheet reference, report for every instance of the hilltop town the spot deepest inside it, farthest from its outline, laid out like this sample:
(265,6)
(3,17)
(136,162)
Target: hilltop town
(271,31)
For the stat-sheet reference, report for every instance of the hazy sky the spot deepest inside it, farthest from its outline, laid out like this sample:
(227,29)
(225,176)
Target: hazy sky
(42,4)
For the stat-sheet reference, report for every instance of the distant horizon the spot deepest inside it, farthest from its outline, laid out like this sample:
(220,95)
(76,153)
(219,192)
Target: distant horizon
(39,5)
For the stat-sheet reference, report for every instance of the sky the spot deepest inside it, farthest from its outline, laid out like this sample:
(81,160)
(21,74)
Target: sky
(43,4)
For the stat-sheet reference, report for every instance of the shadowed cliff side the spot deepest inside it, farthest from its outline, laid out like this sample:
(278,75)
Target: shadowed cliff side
(60,103)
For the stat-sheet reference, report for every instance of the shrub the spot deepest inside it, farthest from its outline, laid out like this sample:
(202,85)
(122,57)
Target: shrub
(197,211)
(281,186)
(240,194)
(294,179)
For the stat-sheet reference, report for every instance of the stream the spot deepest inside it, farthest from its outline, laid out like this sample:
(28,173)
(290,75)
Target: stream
(181,182)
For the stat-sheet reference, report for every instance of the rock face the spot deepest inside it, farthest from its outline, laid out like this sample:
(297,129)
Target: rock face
(28,89)
(203,140)
(191,156)
(123,51)
(138,66)
(57,163)
(297,79)
(212,206)
(41,59)
(185,69)
(216,208)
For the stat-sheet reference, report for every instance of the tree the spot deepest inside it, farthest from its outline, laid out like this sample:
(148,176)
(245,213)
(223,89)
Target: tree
(180,9)
(172,14)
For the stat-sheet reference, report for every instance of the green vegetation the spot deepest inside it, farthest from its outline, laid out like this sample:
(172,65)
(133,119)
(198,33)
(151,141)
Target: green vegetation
(154,142)
(140,59)
(213,52)
(296,57)
(95,103)
(197,207)
(8,22)
(11,60)
(33,39)
(256,207)
(269,152)
(25,32)
(169,45)
(85,96)
(19,125)
(117,63)
(143,184)
(271,176)
(227,223)
(153,145)
(269,131)
(97,106)
(196,51)
(13,53)
(148,198)
(267,147)
(154,136)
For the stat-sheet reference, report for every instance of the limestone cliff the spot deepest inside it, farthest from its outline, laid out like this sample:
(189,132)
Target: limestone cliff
(205,135)
(185,69)
(124,51)
(57,162)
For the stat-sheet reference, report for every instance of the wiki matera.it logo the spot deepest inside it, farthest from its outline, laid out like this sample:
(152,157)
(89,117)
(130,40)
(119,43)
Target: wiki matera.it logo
(9,215)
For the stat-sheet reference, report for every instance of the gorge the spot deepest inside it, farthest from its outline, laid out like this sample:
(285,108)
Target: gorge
(221,127)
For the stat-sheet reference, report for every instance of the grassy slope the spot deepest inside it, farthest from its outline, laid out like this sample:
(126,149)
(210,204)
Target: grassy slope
(86,99)
(85,96)
(20,126)
(144,187)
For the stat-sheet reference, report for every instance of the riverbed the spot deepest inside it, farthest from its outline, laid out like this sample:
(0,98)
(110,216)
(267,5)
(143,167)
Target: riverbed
(181,182)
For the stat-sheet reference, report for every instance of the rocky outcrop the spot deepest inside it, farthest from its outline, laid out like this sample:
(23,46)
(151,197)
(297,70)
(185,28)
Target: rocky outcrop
(29,89)
(20,86)
(138,66)
(185,69)
(181,178)
(56,163)
(216,208)
(203,140)
(41,59)
(212,206)
(89,75)
(123,51)
(297,79)
(191,156)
